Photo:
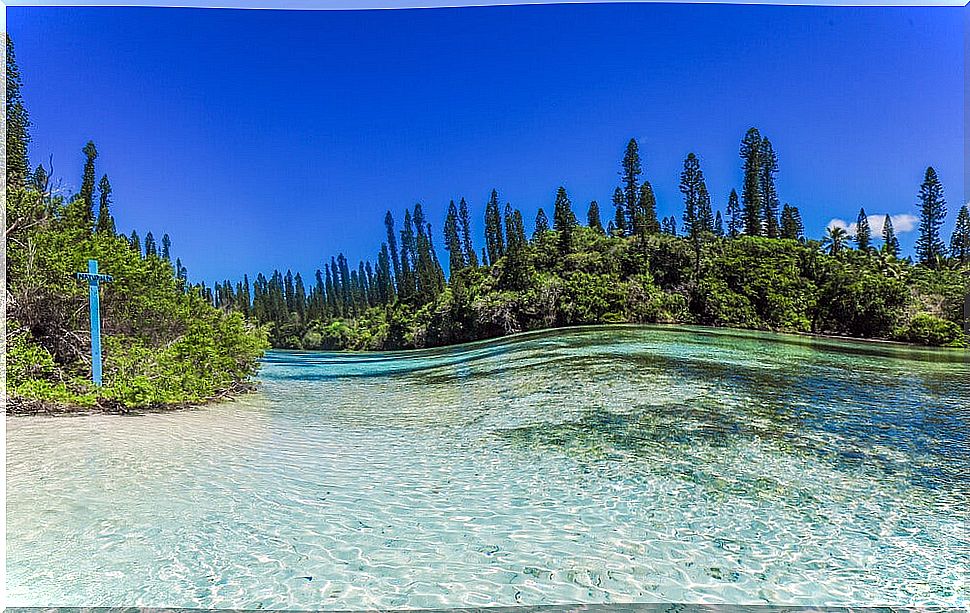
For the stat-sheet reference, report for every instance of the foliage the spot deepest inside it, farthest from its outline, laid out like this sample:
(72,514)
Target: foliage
(164,343)
(929,329)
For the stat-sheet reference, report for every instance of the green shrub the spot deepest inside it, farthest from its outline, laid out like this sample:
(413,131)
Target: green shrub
(926,329)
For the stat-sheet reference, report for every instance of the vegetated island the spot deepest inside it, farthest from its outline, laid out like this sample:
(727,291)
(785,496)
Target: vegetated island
(169,342)
(752,268)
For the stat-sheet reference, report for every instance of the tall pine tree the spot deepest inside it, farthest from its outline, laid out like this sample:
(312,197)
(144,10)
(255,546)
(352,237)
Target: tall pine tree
(735,215)
(593,218)
(647,209)
(87,185)
(494,241)
(151,248)
(631,173)
(698,218)
(769,193)
(135,242)
(752,206)
(464,223)
(392,246)
(106,223)
(890,244)
(541,225)
(929,245)
(619,218)
(960,241)
(791,223)
(453,243)
(563,219)
(863,233)
(18,124)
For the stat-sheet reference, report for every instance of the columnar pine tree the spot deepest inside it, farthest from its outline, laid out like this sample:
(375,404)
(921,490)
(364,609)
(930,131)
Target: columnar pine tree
(929,245)
(289,293)
(735,215)
(542,224)
(299,298)
(135,242)
(453,244)
(151,249)
(87,185)
(372,290)
(647,208)
(799,225)
(516,270)
(631,173)
(718,225)
(698,217)
(705,212)
(519,230)
(563,219)
(106,224)
(751,192)
(508,219)
(890,244)
(386,281)
(392,246)
(317,309)
(593,217)
(18,124)
(960,241)
(166,248)
(346,288)
(863,233)
(330,276)
(619,218)
(791,223)
(363,298)
(437,271)
(406,287)
(464,223)
(494,241)
(769,193)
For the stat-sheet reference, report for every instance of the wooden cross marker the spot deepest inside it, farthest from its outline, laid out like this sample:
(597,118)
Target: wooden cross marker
(94,280)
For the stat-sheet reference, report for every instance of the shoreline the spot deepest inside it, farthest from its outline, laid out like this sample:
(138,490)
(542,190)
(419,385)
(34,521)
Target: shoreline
(19,407)
(684,327)
(32,407)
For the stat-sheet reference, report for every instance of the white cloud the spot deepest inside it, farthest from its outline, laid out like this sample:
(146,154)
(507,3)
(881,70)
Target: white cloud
(902,223)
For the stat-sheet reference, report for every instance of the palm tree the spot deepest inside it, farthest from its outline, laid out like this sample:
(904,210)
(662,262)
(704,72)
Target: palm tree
(889,265)
(835,240)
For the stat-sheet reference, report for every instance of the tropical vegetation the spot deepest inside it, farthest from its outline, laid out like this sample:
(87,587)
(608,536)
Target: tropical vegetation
(750,268)
(164,342)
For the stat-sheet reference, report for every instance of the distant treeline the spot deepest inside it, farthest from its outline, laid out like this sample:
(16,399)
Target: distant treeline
(395,301)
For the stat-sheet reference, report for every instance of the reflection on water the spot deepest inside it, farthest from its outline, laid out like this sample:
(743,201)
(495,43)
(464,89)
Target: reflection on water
(595,465)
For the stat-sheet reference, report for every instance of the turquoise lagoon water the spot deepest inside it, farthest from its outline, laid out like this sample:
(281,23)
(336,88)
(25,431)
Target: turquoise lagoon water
(592,465)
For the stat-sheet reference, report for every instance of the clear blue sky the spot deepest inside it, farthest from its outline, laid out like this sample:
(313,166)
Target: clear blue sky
(273,139)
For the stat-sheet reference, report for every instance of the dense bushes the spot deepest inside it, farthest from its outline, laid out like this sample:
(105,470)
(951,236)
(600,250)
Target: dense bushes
(744,282)
(928,329)
(163,344)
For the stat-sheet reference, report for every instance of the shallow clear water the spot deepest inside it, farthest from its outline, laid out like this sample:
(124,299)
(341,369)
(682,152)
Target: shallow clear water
(594,465)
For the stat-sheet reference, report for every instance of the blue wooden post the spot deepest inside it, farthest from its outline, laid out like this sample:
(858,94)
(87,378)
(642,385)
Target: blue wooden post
(95,322)
(94,280)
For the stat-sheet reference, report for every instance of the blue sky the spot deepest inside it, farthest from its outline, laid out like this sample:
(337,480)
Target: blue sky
(273,139)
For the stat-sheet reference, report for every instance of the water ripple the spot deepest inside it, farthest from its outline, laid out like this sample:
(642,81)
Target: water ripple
(600,465)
